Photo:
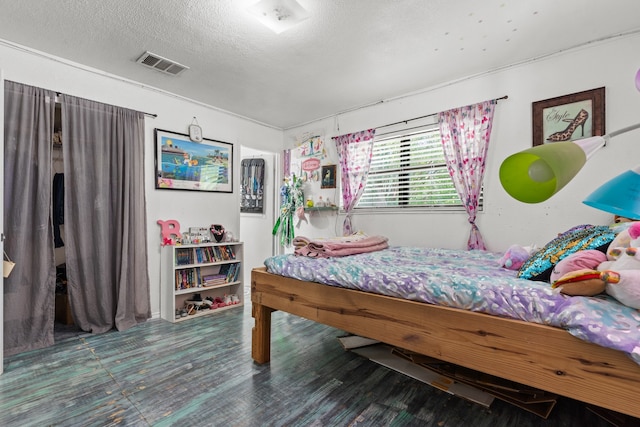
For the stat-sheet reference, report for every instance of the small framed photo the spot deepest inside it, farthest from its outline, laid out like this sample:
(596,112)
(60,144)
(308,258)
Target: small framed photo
(182,164)
(328,176)
(569,117)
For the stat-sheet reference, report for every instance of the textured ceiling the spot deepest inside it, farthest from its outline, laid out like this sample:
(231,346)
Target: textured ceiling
(348,53)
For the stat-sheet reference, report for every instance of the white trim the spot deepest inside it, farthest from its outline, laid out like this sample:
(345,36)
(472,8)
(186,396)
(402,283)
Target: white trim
(125,80)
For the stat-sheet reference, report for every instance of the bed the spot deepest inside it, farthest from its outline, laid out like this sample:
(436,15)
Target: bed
(458,329)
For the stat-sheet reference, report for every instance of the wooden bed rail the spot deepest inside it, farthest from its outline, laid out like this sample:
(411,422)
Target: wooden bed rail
(536,355)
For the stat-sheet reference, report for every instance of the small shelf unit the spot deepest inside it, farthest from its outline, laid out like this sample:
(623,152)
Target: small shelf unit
(201,270)
(321,209)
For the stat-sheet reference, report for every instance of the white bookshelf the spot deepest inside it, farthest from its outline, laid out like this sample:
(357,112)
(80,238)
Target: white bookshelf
(208,270)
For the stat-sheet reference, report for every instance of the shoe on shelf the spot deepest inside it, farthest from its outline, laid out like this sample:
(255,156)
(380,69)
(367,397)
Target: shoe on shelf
(228,300)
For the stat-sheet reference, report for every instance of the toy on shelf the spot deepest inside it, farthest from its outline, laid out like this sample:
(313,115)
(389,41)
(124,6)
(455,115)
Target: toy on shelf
(170,228)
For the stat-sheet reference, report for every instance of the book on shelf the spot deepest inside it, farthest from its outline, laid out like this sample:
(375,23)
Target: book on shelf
(184,256)
(230,271)
(232,253)
(214,279)
(187,278)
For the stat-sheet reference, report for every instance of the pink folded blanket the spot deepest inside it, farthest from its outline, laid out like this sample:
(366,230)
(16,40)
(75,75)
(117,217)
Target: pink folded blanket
(339,246)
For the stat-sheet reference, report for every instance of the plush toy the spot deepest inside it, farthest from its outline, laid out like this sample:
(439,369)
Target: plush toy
(618,276)
(516,256)
(583,282)
(588,259)
(624,286)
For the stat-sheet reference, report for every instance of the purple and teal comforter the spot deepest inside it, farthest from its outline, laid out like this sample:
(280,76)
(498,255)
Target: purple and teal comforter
(471,280)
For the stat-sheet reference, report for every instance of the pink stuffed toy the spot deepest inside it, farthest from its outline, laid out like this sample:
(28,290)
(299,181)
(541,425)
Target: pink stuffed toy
(516,256)
(586,259)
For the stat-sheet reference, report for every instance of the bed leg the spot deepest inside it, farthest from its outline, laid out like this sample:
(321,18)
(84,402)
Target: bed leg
(261,334)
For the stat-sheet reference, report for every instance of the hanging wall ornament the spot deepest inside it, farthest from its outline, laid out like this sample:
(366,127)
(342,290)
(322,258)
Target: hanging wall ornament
(195,131)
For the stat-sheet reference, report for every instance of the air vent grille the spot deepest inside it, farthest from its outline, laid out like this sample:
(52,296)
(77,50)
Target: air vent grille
(161,64)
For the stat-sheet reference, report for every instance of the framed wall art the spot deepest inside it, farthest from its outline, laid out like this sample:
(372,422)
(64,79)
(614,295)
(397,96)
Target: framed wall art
(182,164)
(328,176)
(569,117)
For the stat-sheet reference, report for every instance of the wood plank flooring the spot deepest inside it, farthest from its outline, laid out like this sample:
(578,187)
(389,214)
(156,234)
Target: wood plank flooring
(200,373)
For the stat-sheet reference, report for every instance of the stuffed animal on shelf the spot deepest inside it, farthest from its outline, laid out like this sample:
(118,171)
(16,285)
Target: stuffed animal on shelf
(618,276)
(515,256)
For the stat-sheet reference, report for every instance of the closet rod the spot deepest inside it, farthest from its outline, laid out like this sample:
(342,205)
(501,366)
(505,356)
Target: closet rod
(424,117)
(146,114)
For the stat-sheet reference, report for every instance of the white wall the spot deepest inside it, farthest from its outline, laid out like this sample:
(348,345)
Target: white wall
(174,114)
(505,221)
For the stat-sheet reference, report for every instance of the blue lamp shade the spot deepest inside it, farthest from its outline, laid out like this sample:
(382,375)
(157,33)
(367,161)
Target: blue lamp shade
(619,196)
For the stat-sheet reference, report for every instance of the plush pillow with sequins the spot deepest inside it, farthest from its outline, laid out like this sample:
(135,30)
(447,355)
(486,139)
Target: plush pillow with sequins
(540,265)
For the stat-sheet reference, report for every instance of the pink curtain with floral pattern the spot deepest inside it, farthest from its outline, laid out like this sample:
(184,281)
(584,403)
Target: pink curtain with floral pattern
(465,134)
(354,150)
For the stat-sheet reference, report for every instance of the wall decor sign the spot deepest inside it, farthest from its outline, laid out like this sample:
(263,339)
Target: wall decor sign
(569,117)
(181,164)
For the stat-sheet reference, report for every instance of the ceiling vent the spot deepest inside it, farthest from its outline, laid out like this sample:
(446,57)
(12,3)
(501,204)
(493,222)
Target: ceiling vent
(159,63)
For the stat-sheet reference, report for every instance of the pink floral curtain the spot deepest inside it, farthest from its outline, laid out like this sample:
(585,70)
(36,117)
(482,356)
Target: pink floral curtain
(465,136)
(355,151)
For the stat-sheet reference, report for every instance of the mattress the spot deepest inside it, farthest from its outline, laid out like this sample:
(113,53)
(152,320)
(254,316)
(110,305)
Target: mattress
(470,280)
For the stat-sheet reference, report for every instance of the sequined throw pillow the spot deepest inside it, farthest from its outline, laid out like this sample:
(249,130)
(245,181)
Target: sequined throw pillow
(540,264)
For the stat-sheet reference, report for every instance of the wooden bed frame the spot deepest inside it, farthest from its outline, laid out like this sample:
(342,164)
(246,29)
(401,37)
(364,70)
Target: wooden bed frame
(539,356)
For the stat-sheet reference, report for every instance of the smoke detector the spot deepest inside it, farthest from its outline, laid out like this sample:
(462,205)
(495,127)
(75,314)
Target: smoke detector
(161,64)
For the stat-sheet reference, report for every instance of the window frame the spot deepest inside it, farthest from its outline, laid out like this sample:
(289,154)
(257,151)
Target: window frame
(406,135)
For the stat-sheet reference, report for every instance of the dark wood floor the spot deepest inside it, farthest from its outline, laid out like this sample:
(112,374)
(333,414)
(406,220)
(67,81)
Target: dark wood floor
(200,373)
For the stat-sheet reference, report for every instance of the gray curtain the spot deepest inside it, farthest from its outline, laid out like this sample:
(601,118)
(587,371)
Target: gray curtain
(29,292)
(105,218)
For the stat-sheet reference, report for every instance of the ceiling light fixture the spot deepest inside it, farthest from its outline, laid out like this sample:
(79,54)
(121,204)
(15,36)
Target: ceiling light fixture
(278,15)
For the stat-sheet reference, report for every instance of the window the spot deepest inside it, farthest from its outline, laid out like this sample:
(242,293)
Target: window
(409,171)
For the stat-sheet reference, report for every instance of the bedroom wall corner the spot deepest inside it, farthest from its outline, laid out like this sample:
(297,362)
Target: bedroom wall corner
(174,113)
(503,220)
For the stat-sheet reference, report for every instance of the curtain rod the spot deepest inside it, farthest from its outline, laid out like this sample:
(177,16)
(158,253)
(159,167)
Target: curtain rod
(146,114)
(424,117)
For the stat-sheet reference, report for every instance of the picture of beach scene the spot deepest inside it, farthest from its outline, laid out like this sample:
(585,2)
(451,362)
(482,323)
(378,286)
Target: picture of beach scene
(182,164)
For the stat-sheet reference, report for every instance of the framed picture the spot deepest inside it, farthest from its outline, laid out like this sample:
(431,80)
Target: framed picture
(328,175)
(569,117)
(182,164)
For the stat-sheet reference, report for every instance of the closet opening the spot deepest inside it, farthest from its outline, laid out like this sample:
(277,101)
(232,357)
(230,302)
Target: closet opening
(64,325)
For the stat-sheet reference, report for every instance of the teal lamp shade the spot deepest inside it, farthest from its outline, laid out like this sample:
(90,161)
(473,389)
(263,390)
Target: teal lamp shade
(536,174)
(619,196)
